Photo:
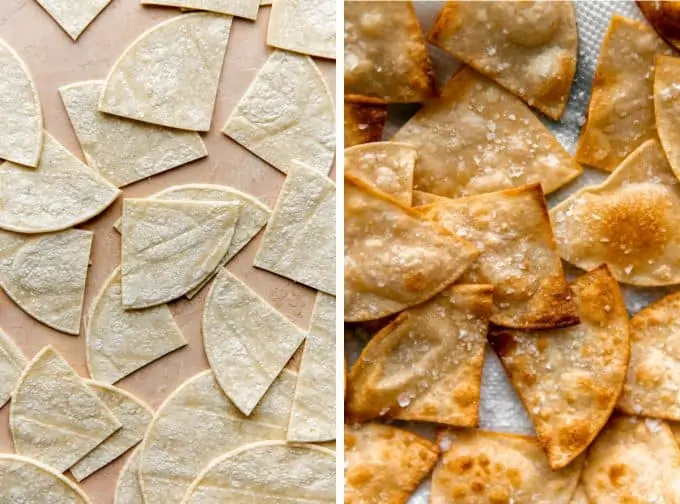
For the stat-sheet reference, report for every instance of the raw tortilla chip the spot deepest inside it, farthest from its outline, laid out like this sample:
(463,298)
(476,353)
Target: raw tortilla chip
(74,16)
(303,26)
(128,489)
(621,111)
(386,166)
(363,123)
(21,121)
(169,75)
(386,58)
(426,365)
(197,424)
(479,466)
(479,138)
(519,258)
(238,8)
(54,417)
(384,464)
(286,115)
(60,193)
(133,415)
(170,247)
(12,364)
(247,341)
(570,379)
(630,221)
(118,342)
(46,275)
(667,108)
(299,241)
(529,48)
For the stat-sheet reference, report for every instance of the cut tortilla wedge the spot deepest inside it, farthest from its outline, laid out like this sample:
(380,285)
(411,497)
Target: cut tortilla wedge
(667,107)
(303,26)
(74,16)
(12,364)
(128,489)
(238,8)
(363,123)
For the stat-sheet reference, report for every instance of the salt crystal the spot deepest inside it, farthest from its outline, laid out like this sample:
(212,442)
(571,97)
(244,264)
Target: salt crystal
(653,424)
(628,269)
(404,399)
(445,443)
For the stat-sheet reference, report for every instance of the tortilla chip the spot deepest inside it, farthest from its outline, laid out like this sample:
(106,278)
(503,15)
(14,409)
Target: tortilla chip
(303,26)
(239,8)
(664,18)
(128,489)
(74,16)
(384,464)
(570,379)
(667,108)
(529,48)
(427,364)
(363,123)
(630,221)
(621,111)
(12,364)
(386,58)
(518,257)
(479,138)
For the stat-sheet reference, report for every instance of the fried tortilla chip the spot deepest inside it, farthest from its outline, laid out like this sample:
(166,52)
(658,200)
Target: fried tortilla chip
(529,48)
(303,26)
(239,8)
(667,108)
(621,111)
(394,257)
(664,18)
(518,257)
(128,489)
(384,464)
(570,379)
(478,138)
(363,123)
(386,58)
(631,221)
(12,364)
(74,16)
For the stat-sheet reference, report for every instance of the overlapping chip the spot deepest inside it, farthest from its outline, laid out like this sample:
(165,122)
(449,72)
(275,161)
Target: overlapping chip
(12,363)
(303,26)
(667,108)
(363,123)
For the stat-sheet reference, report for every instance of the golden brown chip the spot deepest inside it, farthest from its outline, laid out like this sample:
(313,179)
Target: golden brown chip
(570,379)
(667,108)
(384,464)
(664,18)
(529,48)
(364,123)
(621,111)
(427,364)
(394,257)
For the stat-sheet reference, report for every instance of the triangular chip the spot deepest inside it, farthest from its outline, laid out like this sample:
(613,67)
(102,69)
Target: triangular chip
(478,138)
(169,75)
(46,274)
(570,379)
(303,26)
(74,16)
(247,341)
(631,221)
(663,16)
(12,364)
(170,247)
(54,416)
(394,258)
(60,193)
(363,123)
(118,342)
(386,58)
(667,108)
(128,489)
(21,121)
(621,110)
(384,464)
(299,241)
(286,115)
(518,257)
(239,8)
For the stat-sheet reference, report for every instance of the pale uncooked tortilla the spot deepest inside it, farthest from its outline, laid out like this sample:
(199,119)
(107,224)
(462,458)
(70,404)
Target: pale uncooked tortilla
(295,473)
(303,26)
(21,121)
(169,75)
(118,342)
(170,247)
(134,416)
(299,242)
(128,489)
(121,150)
(247,341)
(197,424)
(54,416)
(239,8)
(12,363)
(46,274)
(60,193)
(74,16)
(286,115)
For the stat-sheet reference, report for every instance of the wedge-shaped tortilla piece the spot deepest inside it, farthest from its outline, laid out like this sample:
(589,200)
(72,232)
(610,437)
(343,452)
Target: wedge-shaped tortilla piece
(286,115)
(667,107)
(54,416)
(478,138)
(630,221)
(170,247)
(299,241)
(247,341)
(384,464)
(621,110)
(239,8)
(363,123)
(633,460)
(128,489)
(169,75)
(197,424)
(479,466)
(570,379)
(518,257)
(12,364)
(386,58)
(303,26)
(21,122)
(426,365)
(118,342)
(46,274)
(664,18)
(60,193)
(74,16)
